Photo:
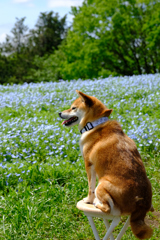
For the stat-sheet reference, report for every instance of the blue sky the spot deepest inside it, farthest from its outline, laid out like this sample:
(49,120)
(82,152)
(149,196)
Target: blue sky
(10,9)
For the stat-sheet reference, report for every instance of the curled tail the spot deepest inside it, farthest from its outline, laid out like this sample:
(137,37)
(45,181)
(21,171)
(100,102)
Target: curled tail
(139,228)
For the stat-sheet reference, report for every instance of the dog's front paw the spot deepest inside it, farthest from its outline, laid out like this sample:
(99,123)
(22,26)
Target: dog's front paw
(88,200)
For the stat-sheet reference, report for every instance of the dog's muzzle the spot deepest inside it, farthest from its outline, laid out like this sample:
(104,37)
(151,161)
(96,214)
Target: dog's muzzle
(68,121)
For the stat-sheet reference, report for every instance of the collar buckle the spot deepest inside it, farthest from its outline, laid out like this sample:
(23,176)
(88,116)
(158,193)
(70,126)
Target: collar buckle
(91,125)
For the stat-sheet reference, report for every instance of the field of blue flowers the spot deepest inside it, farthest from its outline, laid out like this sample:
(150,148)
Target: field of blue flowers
(42,173)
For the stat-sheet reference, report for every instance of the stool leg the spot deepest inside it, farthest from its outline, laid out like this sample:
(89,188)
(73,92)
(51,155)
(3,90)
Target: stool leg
(114,223)
(123,229)
(107,227)
(93,228)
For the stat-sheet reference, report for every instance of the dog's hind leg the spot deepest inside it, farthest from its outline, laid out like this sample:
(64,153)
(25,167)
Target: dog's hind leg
(104,201)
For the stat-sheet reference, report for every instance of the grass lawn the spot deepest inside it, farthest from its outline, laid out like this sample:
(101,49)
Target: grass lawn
(42,174)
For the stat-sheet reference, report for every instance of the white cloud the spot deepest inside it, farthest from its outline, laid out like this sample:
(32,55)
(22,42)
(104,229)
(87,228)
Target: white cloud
(29,3)
(2,37)
(64,3)
(21,1)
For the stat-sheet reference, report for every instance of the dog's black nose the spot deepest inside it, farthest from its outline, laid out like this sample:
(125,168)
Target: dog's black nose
(60,114)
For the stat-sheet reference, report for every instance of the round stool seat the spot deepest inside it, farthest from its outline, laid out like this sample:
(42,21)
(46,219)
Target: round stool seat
(91,210)
(87,207)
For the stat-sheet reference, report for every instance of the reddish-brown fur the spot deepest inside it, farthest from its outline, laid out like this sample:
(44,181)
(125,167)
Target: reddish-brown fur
(114,157)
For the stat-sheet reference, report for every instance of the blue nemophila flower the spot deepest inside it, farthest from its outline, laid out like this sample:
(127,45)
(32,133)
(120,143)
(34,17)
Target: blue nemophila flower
(50,153)
(8,175)
(74,142)
(20,180)
(17,174)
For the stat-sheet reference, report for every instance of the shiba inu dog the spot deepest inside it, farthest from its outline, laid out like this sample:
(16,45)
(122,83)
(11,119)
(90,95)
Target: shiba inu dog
(123,187)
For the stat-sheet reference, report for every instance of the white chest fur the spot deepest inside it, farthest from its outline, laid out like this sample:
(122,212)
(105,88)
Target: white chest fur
(82,140)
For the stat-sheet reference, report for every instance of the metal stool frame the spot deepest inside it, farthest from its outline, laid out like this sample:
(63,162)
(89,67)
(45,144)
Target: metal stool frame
(91,211)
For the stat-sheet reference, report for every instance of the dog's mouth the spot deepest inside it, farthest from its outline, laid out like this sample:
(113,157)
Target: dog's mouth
(70,121)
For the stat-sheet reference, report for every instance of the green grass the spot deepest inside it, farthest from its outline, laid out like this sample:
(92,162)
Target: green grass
(42,174)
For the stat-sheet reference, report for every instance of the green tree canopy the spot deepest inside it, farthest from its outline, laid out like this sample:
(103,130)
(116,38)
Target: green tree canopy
(48,34)
(7,69)
(115,37)
(17,41)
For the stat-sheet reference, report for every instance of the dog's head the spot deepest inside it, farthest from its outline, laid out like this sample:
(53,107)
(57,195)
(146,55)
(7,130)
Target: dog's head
(84,109)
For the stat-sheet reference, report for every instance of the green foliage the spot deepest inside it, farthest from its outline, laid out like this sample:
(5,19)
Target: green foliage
(118,38)
(6,69)
(46,68)
(48,34)
(16,43)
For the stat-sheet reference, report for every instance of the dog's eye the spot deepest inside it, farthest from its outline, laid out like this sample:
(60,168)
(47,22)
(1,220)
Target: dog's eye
(73,108)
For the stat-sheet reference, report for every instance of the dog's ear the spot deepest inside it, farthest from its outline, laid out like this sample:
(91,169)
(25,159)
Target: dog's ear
(108,112)
(85,98)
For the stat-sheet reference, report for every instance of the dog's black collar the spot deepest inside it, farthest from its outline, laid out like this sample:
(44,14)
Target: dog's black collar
(91,125)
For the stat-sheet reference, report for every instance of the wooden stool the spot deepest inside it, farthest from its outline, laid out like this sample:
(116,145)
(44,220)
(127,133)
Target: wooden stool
(91,211)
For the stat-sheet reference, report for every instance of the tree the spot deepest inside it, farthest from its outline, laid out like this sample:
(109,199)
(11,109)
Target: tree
(25,49)
(113,37)
(16,42)
(17,60)
(47,68)
(49,32)
(7,69)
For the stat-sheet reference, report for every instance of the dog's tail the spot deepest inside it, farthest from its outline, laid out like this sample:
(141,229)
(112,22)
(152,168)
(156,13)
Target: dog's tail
(139,228)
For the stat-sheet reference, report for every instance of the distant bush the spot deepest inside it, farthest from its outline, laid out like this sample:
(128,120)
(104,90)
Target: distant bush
(47,68)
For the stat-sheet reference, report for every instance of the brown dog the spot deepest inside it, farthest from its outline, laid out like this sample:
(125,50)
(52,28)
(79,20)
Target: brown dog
(110,154)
